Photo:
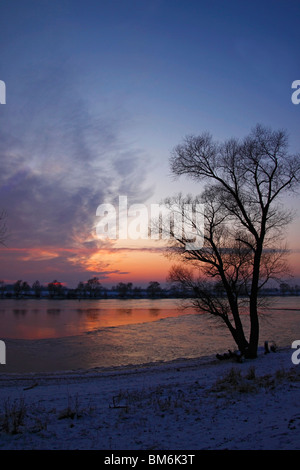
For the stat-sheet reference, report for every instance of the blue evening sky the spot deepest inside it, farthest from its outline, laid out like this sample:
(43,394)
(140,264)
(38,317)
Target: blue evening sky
(100,91)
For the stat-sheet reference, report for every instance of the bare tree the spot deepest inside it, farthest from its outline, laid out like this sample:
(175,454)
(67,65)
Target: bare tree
(124,289)
(154,289)
(2,288)
(244,223)
(94,287)
(55,288)
(37,288)
(18,288)
(81,289)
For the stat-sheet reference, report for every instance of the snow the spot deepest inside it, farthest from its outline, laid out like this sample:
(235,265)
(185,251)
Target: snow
(187,404)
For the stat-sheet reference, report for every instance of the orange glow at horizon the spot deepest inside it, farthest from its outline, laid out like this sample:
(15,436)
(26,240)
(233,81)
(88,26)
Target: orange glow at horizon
(142,266)
(131,262)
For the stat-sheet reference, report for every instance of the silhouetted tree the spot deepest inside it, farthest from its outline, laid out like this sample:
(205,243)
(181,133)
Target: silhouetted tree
(154,289)
(55,288)
(18,288)
(243,223)
(2,288)
(94,287)
(284,288)
(124,289)
(137,291)
(37,288)
(25,287)
(81,289)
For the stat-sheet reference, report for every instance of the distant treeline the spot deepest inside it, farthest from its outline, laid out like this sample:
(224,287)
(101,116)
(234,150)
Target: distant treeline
(93,289)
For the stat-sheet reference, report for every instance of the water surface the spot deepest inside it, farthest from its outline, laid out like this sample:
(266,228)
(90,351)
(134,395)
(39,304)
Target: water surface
(44,336)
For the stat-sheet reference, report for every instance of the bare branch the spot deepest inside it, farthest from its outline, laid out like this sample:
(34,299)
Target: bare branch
(244,221)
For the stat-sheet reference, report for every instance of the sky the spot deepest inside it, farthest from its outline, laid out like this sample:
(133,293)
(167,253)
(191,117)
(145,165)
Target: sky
(99,92)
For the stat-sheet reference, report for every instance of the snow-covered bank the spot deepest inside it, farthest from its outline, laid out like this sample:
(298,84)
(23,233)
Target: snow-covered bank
(184,404)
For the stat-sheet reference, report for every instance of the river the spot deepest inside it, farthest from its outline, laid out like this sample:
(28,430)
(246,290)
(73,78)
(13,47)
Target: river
(51,335)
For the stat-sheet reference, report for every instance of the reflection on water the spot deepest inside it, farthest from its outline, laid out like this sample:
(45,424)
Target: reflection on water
(19,311)
(111,333)
(37,319)
(154,312)
(53,311)
(34,319)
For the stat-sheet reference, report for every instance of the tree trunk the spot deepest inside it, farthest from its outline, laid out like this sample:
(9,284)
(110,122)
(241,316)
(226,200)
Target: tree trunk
(241,342)
(254,329)
(254,323)
(238,336)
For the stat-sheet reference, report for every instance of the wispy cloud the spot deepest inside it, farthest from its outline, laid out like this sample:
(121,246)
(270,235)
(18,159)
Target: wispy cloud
(59,161)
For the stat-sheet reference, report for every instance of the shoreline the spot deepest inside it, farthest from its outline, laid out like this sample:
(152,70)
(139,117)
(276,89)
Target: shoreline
(205,360)
(200,403)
